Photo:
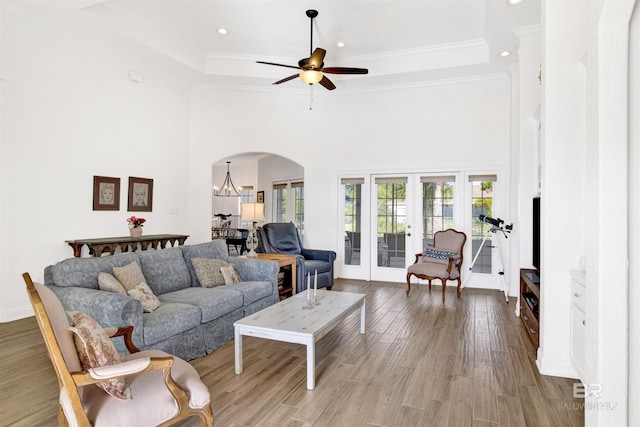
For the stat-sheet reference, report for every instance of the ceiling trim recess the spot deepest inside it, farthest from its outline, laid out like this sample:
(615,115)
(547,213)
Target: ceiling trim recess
(402,61)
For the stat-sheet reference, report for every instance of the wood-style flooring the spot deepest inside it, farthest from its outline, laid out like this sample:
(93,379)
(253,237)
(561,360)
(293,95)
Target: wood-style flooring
(468,362)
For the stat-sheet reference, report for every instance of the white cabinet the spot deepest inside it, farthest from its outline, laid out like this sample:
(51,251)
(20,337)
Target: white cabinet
(578,321)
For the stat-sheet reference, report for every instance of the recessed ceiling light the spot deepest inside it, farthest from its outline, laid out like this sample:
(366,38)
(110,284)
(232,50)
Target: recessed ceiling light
(223,31)
(514,2)
(505,53)
(341,44)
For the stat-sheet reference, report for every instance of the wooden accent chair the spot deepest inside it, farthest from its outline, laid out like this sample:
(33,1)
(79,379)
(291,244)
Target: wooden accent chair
(441,261)
(164,388)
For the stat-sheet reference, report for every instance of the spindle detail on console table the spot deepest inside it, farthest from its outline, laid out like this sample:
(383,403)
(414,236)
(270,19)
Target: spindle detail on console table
(101,245)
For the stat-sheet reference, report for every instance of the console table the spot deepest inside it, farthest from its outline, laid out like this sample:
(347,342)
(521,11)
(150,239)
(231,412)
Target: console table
(98,246)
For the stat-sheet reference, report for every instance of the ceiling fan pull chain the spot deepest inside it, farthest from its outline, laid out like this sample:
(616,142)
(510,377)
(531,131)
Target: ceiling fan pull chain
(310,97)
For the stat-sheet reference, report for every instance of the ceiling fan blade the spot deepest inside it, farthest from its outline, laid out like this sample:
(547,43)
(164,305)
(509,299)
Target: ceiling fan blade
(278,65)
(315,60)
(328,84)
(286,79)
(344,70)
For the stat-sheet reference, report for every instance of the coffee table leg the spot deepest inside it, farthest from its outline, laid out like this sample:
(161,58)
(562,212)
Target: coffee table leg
(238,350)
(311,365)
(362,317)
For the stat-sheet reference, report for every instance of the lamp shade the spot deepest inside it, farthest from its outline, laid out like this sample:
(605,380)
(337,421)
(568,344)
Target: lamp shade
(311,76)
(251,212)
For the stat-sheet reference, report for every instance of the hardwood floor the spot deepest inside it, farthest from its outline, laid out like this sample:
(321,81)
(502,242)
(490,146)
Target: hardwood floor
(468,362)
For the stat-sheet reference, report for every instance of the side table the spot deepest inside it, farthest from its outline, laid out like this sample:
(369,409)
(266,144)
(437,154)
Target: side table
(283,260)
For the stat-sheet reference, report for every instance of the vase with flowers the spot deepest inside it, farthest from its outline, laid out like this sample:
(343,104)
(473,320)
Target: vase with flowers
(135,226)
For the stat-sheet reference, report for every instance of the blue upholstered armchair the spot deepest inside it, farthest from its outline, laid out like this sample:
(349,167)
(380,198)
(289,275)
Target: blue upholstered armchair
(283,238)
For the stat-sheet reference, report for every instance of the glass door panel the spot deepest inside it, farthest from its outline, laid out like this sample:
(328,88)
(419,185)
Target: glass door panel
(391,222)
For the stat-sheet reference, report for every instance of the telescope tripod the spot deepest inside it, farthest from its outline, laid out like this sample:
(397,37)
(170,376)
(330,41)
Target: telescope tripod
(492,230)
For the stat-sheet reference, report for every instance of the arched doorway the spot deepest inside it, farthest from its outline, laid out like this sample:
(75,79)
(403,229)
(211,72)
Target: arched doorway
(278,180)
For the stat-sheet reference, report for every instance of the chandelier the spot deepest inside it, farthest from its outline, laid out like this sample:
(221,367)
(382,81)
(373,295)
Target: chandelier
(227,189)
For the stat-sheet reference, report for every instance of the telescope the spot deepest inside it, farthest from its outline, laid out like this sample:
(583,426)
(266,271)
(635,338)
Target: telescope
(496,222)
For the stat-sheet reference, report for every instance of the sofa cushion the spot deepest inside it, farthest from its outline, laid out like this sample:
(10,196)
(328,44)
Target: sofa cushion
(129,275)
(147,299)
(169,320)
(213,302)
(95,350)
(252,291)
(208,271)
(230,274)
(108,283)
(214,249)
(165,270)
(83,272)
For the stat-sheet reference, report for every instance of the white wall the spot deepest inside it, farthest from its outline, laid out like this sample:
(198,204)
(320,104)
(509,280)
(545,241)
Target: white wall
(457,125)
(607,239)
(563,116)
(70,113)
(634,226)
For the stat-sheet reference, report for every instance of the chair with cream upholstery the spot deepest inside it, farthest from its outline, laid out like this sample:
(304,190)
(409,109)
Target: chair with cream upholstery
(441,261)
(164,388)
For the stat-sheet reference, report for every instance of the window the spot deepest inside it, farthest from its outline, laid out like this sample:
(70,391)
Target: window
(279,202)
(298,197)
(352,219)
(246,196)
(437,206)
(290,190)
(481,204)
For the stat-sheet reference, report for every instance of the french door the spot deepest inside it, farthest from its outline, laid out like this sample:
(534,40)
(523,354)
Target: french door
(390,218)
(391,224)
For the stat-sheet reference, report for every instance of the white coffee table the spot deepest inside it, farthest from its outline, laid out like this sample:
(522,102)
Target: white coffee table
(287,321)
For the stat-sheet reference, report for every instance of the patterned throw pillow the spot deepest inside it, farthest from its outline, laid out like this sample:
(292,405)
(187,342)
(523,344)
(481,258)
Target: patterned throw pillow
(437,254)
(146,297)
(108,283)
(230,274)
(208,271)
(96,349)
(129,275)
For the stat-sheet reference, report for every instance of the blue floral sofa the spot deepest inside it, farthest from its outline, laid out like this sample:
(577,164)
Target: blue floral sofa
(191,321)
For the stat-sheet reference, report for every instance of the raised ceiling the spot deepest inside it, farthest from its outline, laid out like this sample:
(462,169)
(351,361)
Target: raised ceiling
(400,42)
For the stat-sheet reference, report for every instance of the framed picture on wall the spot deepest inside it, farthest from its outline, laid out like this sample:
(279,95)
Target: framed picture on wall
(106,193)
(140,194)
(260,197)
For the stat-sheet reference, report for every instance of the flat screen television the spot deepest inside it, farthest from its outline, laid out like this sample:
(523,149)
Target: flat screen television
(536,233)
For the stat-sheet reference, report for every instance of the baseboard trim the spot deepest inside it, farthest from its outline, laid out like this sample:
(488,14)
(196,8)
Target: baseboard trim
(15,314)
(556,368)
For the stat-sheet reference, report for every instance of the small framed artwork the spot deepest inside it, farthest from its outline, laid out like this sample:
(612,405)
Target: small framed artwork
(106,193)
(260,197)
(140,194)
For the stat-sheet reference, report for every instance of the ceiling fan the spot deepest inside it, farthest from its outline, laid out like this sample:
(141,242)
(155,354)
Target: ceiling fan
(312,68)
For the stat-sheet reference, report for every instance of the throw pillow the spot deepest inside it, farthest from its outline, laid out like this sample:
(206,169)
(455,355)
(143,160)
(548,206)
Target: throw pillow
(208,271)
(129,275)
(230,274)
(146,297)
(438,254)
(96,349)
(106,282)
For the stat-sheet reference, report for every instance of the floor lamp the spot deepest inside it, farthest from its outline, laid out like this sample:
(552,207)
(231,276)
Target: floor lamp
(253,213)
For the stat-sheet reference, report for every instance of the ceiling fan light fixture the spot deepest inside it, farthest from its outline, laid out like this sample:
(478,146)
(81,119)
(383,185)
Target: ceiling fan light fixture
(311,77)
